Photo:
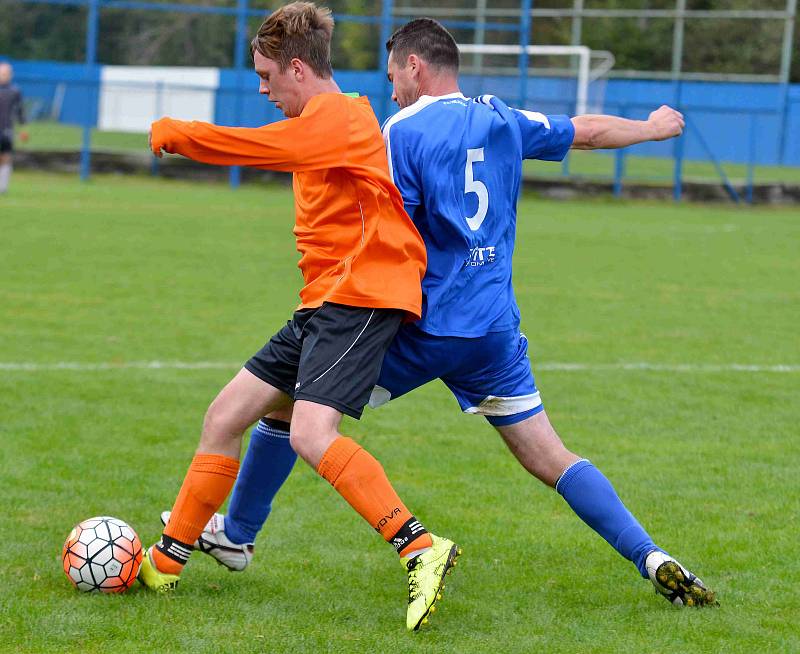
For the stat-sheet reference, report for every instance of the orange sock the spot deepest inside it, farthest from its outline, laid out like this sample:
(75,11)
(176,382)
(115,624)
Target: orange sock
(360,479)
(207,483)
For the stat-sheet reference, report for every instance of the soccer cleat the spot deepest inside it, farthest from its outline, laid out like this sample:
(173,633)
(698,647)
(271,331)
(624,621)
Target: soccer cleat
(215,543)
(426,574)
(153,578)
(676,583)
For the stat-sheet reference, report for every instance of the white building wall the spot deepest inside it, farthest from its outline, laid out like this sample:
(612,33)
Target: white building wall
(132,97)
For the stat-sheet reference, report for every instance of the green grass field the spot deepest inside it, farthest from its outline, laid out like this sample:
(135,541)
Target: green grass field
(582,164)
(59,136)
(124,270)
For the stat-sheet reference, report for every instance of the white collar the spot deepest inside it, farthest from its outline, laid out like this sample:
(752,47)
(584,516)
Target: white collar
(431,98)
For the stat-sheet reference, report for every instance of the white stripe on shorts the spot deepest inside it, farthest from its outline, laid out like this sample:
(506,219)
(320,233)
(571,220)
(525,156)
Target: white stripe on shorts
(352,345)
(506,406)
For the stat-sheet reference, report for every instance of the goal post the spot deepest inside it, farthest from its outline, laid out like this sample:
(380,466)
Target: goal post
(586,73)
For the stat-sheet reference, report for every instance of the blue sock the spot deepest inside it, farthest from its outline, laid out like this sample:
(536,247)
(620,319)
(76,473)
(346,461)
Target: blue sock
(267,463)
(594,499)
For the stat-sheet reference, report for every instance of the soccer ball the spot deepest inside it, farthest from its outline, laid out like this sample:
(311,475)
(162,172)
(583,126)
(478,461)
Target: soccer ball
(102,554)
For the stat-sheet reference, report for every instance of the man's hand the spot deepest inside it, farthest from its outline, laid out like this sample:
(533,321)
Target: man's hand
(24,136)
(665,123)
(159,153)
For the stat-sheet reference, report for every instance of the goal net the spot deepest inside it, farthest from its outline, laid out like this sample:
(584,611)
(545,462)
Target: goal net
(589,68)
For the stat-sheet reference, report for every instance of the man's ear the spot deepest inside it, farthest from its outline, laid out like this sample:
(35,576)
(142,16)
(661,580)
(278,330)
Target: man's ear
(414,64)
(298,68)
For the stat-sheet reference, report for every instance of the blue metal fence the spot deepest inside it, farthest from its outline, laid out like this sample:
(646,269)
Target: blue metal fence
(736,122)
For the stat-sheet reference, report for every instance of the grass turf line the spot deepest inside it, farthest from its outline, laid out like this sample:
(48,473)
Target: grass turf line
(136,269)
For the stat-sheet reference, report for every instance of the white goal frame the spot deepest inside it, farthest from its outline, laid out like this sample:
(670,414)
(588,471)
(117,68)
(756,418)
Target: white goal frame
(586,75)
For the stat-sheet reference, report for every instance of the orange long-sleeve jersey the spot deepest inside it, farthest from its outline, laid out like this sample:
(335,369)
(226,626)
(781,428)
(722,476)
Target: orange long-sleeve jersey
(358,246)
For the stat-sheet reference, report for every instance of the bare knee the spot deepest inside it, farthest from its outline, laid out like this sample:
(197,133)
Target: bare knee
(314,427)
(222,425)
(298,439)
(538,448)
(309,441)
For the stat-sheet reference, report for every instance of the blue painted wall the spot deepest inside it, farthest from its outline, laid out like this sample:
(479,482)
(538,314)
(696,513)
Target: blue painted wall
(721,114)
(40,80)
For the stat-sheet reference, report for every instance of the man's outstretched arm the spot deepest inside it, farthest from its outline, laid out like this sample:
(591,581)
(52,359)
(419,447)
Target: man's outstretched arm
(291,145)
(595,132)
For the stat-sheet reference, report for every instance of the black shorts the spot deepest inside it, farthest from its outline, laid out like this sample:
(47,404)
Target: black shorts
(331,355)
(6,144)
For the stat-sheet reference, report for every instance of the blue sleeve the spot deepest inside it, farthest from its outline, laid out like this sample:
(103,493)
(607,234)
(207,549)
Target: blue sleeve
(403,167)
(544,137)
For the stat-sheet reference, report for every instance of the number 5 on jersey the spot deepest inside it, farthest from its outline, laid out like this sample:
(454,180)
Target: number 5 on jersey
(472,185)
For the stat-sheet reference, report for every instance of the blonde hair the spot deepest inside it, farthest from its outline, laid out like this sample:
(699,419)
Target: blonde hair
(299,30)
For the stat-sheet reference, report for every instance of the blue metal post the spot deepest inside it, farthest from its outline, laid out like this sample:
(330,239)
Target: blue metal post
(784,122)
(619,171)
(92,20)
(619,163)
(677,185)
(524,42)
(786,65)
(238,63)
(387,12)
(751,162)
(677,147)
(154,163)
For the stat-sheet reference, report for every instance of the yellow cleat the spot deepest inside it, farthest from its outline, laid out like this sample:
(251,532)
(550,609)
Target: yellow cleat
(426,574)
(151,577)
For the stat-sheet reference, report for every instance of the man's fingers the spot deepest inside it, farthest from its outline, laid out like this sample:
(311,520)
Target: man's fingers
(668,122)
(160,152)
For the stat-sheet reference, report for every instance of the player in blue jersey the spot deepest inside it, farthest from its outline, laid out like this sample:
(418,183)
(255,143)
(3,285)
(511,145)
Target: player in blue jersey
(458,163)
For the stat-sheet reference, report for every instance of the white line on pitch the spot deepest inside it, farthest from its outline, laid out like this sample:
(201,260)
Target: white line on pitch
(549,366)
(668,367)
(126,365)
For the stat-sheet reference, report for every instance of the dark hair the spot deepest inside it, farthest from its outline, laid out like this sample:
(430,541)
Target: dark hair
(299,30)
(426,38)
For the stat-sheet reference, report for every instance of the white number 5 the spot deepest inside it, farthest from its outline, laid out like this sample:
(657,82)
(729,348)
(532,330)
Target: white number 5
(472,185)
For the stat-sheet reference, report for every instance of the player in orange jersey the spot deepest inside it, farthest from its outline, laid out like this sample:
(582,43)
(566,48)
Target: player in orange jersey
(362,261)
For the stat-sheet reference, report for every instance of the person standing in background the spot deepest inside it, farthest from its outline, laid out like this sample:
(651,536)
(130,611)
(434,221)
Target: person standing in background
(11,111)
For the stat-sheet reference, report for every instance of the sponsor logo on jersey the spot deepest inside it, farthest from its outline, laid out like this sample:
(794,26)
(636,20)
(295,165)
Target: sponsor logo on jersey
(480,256)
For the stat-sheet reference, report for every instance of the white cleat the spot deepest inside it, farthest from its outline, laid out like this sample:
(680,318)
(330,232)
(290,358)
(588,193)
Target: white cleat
(676,583)
(215,543)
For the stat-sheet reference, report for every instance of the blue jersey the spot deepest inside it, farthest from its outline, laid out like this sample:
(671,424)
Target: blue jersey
(458,164)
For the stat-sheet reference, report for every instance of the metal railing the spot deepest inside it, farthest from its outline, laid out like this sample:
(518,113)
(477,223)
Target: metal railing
(480,19)
(695,145)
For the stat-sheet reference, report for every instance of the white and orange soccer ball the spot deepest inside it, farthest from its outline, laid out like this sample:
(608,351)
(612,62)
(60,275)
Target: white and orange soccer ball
(102,554)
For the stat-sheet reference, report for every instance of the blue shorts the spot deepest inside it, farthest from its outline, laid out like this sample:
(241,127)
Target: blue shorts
(489,375)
